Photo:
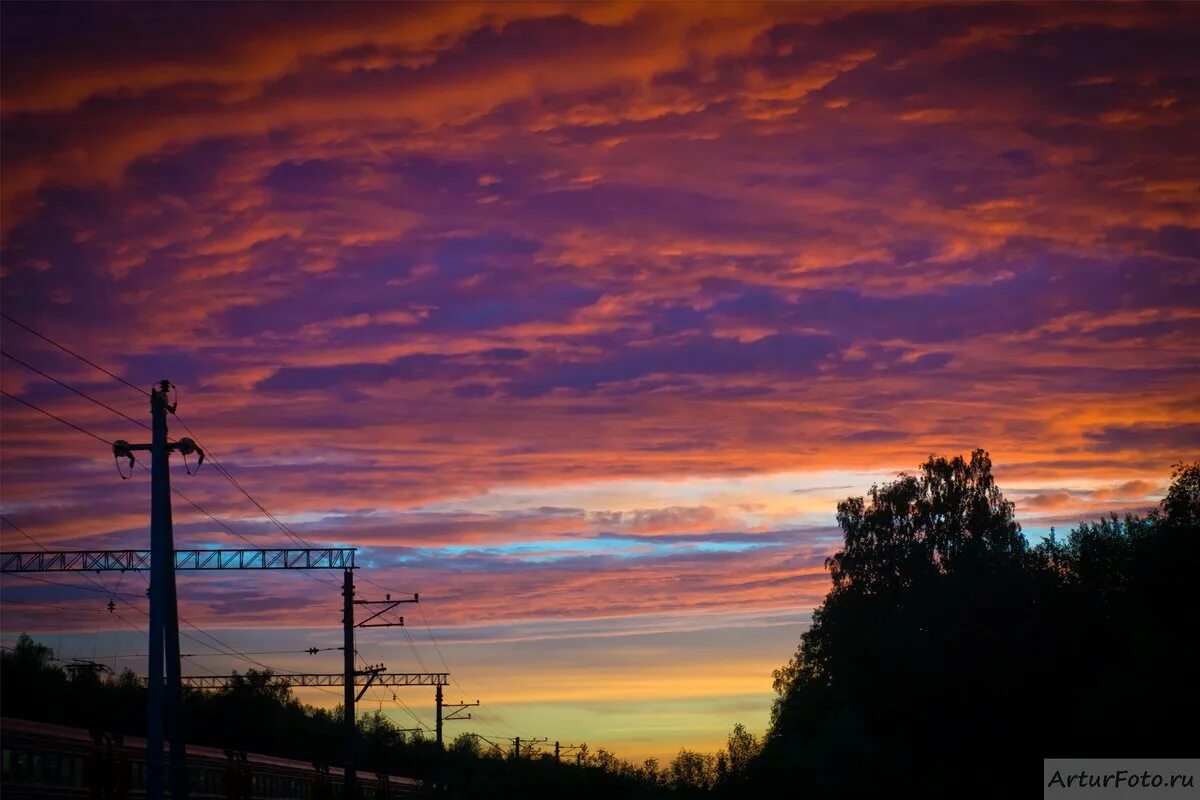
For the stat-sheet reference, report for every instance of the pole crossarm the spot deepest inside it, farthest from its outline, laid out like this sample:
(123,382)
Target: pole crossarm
(457,711)
(323,679)
(387,605)
(371,674)
(135,560)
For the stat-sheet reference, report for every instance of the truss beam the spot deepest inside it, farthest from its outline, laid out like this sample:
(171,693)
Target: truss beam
(324,679)
(139,560)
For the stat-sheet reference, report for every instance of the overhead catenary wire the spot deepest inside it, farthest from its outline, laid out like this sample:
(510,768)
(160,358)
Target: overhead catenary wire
(42,605)
(420,723)
(413,647)
(248,653)
(39,409)
(71,388)
(421,662)
(71,352)
(221,469)
(97,589)
(224,472)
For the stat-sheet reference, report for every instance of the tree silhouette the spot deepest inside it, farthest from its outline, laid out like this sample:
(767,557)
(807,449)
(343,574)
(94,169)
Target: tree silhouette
(949,657)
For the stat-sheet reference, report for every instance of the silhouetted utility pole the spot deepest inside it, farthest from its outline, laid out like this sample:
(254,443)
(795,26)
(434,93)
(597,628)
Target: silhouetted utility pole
(349,777)
(456,710)
(560,749)
(349,724)
(529,743)
(164,610)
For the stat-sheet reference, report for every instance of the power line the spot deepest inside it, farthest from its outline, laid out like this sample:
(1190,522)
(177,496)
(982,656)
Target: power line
(434,641)
(56,417)
(234,482)
(67,386)
(411,713)
(40,605)
(224,472)
(100,589)
(413,647)
(69,351)
(437,649)
(249,653)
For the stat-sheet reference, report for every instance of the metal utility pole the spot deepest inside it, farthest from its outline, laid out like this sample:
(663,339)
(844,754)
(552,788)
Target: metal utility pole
(559,749)
(529,745)
(349,721)
(162,602)
(350,779)
(455,709)
(165,704)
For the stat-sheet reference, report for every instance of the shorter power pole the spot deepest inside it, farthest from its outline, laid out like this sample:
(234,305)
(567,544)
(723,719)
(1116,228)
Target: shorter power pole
(564,748)
(529,745)
(349,734)
(349,719)
(456,712)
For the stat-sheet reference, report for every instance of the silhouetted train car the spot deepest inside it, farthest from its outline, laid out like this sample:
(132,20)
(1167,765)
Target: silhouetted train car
(43,761)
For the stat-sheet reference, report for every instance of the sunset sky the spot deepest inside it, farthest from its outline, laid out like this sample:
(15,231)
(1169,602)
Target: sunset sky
(578,319)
